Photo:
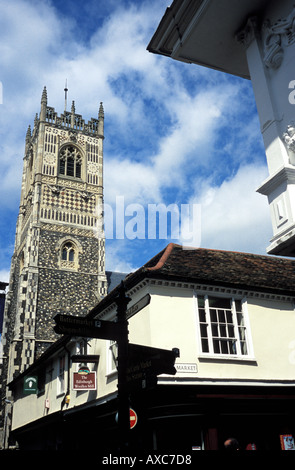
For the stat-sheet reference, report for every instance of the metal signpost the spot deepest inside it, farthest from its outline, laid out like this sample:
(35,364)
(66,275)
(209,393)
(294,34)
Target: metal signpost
(123,397)
(138,366)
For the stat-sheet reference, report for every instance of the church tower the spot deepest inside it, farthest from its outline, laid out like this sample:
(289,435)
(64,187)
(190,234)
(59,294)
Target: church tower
(58,264)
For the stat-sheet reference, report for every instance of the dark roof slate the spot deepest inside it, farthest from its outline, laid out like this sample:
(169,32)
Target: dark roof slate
(228,268)
(260,273)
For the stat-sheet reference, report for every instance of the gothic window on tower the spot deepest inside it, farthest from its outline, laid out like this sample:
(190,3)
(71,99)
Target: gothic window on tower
(69,255)
(70,162)
(68,252)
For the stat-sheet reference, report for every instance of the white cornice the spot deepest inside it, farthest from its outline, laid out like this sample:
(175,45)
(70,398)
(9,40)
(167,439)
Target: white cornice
(109,312)
(231,291)
(283,175)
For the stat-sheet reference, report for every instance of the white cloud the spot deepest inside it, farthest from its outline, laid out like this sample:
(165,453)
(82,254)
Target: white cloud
(188,146)
(165,121)
(234,215)
(115,260)
(4,275)
(196,123)
(136,181)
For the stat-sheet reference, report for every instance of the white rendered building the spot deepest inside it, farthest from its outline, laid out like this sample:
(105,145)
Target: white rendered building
(253,39)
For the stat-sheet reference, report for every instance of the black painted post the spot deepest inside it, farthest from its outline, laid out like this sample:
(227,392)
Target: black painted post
(123,397)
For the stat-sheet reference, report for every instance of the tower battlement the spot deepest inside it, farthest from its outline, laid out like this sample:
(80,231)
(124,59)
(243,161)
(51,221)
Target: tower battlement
(70,119)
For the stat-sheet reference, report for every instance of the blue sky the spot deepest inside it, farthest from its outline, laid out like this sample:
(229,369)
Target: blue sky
(174,133)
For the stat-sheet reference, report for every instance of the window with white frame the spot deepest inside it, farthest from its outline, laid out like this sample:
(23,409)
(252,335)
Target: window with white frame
(82,347)
(112,356)
(61,375)
(222,323)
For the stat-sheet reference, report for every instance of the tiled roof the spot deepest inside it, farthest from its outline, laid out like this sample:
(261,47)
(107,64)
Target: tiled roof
(213,267)
(228,268)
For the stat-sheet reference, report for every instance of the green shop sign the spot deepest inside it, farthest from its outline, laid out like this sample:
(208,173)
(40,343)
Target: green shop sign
(30,384)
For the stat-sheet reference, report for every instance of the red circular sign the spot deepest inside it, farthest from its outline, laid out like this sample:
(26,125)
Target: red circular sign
(133,418)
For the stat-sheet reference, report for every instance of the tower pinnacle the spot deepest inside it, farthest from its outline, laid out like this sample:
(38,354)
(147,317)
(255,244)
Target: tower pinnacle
(43,105)
(101,120)
(44,96)
(29,134)
(101,111)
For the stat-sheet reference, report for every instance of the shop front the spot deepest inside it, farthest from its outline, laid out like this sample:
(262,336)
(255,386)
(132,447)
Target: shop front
(172,418)
(199,418)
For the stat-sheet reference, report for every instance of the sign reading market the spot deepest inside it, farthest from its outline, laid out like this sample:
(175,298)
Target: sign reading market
(84,379)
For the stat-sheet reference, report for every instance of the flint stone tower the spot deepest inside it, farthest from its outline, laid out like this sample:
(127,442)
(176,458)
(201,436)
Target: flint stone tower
(58,264)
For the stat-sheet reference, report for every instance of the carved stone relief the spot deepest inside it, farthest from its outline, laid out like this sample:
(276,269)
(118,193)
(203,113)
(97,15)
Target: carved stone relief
(289,140)
(246,35)
(276,36)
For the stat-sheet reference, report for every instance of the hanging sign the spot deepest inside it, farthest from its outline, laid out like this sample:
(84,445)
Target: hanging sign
(84,379)
(30,385)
